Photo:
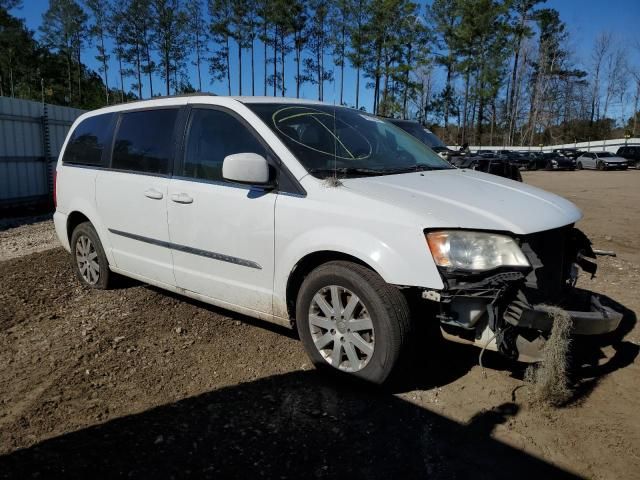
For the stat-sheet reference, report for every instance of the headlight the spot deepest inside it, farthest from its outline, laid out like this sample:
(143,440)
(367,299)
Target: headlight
(476,251)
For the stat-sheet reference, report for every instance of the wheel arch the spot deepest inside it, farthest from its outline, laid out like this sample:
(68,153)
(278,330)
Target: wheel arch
(306,265)
(74,219)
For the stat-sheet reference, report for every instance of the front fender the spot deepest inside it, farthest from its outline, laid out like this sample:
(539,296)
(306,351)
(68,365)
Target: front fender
(399,257)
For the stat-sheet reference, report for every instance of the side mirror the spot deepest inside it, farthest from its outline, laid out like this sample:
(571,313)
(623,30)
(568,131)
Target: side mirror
(248,168)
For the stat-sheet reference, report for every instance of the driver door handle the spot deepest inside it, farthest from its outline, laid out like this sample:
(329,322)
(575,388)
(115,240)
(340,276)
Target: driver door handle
(153,194)
(181,198)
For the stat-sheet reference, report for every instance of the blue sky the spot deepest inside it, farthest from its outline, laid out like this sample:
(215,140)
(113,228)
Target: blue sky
(584,18)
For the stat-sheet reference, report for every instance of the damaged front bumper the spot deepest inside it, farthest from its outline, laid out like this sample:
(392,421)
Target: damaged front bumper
(593,319)
(513,312)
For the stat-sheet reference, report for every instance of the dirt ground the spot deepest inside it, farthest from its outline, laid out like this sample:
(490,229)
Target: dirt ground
(138,383)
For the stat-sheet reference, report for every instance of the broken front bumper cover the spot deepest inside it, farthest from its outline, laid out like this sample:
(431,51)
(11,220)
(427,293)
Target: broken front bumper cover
(598,319)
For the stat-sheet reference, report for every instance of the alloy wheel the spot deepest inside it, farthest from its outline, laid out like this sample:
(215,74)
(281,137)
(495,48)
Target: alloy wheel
(87,260)
(341,328)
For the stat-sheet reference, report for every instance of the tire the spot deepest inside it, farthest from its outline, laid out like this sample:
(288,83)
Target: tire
(379,305)
(86,252)
(548,166)
(579,165)
(600,166)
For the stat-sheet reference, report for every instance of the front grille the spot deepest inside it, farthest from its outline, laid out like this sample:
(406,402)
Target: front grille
(548,254)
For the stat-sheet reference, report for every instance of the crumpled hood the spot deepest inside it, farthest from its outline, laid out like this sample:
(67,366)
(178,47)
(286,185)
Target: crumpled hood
(469,199)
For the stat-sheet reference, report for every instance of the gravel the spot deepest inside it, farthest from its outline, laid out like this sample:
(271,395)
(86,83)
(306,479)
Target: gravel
(26,235)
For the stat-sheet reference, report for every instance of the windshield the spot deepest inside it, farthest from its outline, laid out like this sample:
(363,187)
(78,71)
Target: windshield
(605,154)
(329,140)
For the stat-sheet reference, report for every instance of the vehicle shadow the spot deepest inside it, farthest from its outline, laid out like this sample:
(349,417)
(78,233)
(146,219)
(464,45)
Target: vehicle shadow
(296,425)
(589,364)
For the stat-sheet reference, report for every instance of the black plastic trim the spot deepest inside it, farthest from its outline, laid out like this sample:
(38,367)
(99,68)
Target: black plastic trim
(194,251)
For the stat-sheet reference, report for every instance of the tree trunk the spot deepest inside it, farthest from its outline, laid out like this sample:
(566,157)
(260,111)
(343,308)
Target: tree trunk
(79,77)
(148,60)
(406,83)
(282,58)
(298,54)
(105,67)
(358,87)
(253,76)
(239,69)
(69,74)
(139,70)
(228,60)
(121,79)
(342,62)
(465,106)
(167,66)
(275,61)
(264,44)
(447,90)
(197,62)
(635,108)
(376,86)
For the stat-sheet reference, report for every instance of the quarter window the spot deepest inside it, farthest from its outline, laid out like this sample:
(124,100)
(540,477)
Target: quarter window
(144,141)
(214,134)
(88,140)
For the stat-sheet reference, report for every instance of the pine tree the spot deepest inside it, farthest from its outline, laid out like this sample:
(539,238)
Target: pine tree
(64,29)
(169,39)
(198,33)
(100,12)
(221,13)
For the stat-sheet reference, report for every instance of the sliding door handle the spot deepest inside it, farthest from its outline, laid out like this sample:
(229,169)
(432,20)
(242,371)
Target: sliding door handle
(181,198)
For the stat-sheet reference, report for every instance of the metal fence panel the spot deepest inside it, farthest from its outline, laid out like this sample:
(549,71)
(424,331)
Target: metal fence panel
(31,136)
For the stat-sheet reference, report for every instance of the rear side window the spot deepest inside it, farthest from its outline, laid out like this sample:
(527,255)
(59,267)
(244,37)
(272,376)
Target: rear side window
(144,141)
(214,134)
(88,140)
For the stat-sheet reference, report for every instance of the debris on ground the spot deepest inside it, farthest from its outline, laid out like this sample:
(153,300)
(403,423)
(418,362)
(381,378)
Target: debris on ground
(548,379)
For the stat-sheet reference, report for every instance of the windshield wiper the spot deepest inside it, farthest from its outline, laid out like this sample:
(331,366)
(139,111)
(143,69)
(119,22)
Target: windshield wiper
(353,171)
(371,172)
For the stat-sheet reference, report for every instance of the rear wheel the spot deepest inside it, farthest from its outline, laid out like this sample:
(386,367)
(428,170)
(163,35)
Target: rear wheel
(89,262)
(351,320)
(579,165)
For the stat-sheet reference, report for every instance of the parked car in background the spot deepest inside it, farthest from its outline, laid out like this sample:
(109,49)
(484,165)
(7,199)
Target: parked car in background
(519,159)
(601,161)
(551,161)
(568,152)
(320,218)
(631,154)
(487,162)
(425,135)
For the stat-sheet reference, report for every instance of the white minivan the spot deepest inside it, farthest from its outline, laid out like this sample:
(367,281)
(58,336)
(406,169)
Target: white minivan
(320,218)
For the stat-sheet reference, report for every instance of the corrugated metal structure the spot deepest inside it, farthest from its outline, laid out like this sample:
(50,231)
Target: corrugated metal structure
(31,136)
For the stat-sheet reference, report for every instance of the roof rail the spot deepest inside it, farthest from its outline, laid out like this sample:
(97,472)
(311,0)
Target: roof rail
(163,97)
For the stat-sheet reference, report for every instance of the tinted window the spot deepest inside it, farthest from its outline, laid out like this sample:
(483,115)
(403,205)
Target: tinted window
(144,141)
(213,135)
(88,140)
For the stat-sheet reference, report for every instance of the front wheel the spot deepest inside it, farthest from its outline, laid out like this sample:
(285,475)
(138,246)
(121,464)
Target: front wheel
(351,320)
(601,166)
